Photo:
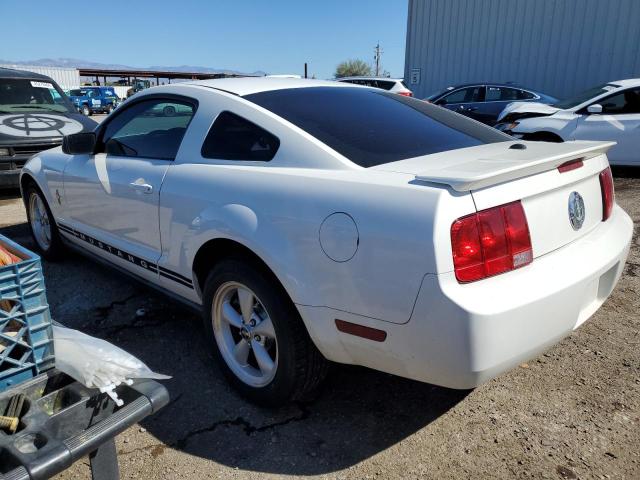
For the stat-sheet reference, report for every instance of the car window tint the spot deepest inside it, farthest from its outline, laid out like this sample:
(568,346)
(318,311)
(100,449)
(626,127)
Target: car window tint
(524,95)
(372,127)
(622,103)
(493,94)
(386,85)
(232,137)
(149,129)
(464,95)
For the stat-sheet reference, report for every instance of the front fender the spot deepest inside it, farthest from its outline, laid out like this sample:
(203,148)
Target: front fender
(560,125)
(46,169)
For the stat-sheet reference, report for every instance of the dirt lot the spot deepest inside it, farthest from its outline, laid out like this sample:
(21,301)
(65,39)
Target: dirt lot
(574,412)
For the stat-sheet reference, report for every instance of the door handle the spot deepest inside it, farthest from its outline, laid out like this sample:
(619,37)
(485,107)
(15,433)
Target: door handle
(472,109)
(142,187)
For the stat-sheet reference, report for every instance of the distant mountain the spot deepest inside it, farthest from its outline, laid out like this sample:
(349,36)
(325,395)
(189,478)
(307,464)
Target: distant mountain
(77,63)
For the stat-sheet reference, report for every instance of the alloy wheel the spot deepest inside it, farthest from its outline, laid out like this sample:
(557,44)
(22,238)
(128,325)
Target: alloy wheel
(245,334)
(40,223)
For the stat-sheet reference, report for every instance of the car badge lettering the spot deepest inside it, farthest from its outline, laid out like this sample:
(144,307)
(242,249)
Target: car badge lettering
(576,210)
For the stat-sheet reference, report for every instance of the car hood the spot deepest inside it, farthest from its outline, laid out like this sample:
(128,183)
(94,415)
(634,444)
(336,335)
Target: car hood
(528,108)
(41,126)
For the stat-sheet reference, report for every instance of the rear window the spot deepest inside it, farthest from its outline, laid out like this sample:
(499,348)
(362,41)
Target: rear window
(373,127)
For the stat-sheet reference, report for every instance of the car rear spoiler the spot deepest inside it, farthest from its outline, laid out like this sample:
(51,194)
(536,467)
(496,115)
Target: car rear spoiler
(518,159)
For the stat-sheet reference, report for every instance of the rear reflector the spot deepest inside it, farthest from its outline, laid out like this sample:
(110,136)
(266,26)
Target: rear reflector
(490,242)
(570,165)
(361,331)
(606,185)
(406,94)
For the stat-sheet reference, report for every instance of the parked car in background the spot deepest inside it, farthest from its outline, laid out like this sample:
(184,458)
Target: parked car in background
(314,220)
(485,101)
(393,85)
(608,112)
(90,100)
(34,115)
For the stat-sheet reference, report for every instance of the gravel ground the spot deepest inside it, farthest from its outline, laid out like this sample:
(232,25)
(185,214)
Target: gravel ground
(574,412)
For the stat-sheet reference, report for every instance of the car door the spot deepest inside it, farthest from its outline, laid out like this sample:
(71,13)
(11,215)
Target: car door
(466,101)
(111,198)
(619,121)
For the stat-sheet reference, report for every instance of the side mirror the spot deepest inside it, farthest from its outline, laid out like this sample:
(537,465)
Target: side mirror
(79,143)
(595,108)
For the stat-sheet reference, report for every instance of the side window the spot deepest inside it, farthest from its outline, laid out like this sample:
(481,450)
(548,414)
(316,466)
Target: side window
(385,84)
(621,103)
(148,129)
(231,137)
(493,94)
(505,94)
(464,95)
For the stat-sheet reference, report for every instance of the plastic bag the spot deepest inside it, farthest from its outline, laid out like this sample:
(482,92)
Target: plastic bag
(97,363)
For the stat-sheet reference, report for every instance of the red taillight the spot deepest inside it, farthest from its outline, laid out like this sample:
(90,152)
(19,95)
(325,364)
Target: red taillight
(490,242)
(406,94)
(606,185)
(570,165)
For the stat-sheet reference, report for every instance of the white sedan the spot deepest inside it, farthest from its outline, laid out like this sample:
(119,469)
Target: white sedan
(608,112)
(314,221)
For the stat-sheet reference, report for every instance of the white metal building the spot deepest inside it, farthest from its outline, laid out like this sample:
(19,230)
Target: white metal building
(558,47)
(65,77)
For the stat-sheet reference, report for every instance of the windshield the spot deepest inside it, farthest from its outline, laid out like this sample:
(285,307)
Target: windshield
(20,95)
(373,127)
(585,96)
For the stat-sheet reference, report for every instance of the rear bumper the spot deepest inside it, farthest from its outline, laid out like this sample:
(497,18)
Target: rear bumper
(461,335)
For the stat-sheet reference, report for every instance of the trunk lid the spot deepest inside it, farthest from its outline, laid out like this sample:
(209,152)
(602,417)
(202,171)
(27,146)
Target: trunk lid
(496,174)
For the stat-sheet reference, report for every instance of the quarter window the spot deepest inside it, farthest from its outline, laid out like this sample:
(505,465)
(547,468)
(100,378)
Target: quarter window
(148,129)
(232,137)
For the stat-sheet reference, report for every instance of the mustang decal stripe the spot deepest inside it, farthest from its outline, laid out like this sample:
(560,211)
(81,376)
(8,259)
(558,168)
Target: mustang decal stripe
(177,275)
(179,280)
(140,262)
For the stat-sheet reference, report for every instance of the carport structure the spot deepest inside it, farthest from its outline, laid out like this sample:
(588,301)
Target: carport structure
(100,75)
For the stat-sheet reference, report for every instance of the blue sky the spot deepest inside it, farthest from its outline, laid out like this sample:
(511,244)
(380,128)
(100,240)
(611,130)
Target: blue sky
(247,35)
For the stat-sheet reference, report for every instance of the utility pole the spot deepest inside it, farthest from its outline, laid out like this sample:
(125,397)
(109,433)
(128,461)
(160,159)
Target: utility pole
(376,57)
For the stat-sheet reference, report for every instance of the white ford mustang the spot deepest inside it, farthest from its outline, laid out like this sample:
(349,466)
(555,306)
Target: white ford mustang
(316,220)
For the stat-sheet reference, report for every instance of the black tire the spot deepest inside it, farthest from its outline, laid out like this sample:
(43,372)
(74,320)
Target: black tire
(56,248)
(110,109)
(86,111)
(301,367)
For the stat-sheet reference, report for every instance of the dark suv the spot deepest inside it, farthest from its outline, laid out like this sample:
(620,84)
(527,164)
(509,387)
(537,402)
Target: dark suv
(34,116)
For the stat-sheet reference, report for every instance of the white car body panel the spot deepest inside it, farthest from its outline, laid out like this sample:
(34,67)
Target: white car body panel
(573,124)
(479,167)
(529,107)
(397,87)
(305,211)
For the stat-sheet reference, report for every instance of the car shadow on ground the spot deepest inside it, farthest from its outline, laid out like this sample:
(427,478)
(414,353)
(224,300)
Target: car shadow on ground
(625,172)
(357,414)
